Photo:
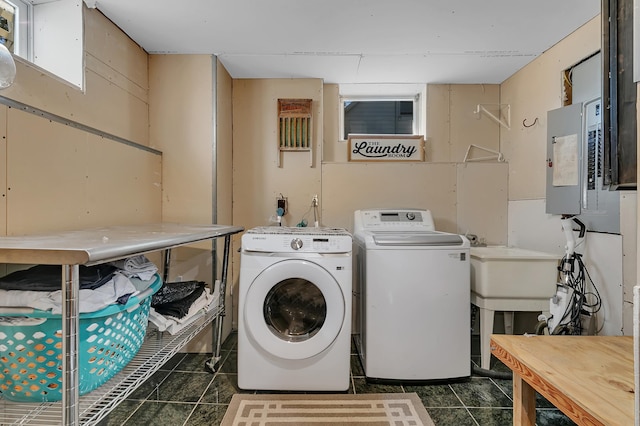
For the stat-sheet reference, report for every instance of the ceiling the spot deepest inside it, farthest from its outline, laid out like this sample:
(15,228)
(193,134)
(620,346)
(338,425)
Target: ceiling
(355,41)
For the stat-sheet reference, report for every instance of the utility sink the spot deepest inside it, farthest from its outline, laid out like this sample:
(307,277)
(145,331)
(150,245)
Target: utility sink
(511,272)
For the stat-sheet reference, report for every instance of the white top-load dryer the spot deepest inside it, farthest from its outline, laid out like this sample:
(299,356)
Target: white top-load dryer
(412,296)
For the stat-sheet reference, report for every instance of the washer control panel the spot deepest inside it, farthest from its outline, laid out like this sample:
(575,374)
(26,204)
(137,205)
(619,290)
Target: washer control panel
(296,244)
(393,220)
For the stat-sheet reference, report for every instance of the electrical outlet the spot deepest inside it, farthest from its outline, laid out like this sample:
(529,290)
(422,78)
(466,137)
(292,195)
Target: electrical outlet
(282,204)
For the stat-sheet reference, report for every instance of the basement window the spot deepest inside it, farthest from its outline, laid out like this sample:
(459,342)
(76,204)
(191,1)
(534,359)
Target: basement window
(378,116)
(11,14)
(46,33)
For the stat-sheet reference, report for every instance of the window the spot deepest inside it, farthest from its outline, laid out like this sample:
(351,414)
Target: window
(46,33)
(366,108)
(24,14)
(15,16)
(7,18)
(379,116)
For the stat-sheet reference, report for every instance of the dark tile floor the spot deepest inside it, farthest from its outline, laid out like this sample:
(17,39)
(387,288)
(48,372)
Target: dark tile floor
(184,393)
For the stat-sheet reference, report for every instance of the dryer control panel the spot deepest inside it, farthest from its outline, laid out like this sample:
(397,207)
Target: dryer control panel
(280,239)
(393,220)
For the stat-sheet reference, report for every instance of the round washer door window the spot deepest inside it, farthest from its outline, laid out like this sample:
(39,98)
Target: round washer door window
(294,309)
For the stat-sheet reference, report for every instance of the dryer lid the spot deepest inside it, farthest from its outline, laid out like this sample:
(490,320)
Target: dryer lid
(417,239)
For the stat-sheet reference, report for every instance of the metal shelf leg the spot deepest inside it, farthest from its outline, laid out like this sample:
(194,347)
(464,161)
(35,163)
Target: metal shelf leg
(70,343)
(212,364)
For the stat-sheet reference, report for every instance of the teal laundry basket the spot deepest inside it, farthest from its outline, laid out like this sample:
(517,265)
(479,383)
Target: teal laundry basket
(31,349)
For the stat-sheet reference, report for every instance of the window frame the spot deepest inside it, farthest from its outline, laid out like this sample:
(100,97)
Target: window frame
(23,41)
(342,99)
(41,42)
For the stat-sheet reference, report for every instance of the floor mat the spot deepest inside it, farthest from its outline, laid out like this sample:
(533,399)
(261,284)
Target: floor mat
(383,409)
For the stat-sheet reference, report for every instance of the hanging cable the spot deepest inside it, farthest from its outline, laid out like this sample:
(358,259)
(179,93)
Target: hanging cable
(582,302)
(314,202)
(303,222)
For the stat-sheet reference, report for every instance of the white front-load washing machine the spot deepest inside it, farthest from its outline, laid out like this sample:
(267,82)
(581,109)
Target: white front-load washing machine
(294,309)
(412,293)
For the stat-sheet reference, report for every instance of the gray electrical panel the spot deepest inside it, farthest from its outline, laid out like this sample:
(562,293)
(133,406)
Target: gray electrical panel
(600,208)
(575,175)
(564,155)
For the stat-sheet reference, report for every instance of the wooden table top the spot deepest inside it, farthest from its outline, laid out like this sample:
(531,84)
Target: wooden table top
(589,378)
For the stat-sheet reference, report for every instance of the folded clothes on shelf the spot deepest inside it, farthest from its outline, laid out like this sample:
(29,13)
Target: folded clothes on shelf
(178,314)
(39,287)
(47,277)
(116,291)
(179,308)
(173,291)
(136,266)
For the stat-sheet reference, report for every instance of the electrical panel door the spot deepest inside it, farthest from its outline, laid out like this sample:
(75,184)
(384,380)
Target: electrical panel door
(564,155)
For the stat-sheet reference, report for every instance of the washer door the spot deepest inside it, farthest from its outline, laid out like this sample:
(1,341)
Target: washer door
(294,309)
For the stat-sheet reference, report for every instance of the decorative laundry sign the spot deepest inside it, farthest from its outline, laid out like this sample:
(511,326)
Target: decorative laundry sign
(386,148)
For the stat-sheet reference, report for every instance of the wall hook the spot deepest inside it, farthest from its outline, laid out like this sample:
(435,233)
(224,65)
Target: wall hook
(524,122)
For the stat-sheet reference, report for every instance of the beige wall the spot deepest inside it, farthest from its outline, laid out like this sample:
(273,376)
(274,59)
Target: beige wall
(191,123)
(451,122)
(434,184)
(344,187)
(257,179)
(347,187)
(181,126)
(481,203)
(463,197)
(180,121)
(115,99)
(56,176)
(72,159)
(453,125)
(59,177)
(531,92)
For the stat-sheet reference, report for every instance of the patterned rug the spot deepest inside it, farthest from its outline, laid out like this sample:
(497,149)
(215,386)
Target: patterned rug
(380,409)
